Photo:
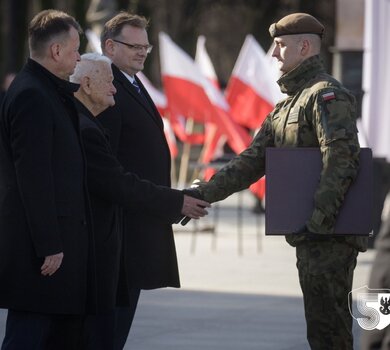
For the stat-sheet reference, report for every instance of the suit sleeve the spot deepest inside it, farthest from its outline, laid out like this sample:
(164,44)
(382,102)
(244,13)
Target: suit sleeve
(31,139)
(108,180)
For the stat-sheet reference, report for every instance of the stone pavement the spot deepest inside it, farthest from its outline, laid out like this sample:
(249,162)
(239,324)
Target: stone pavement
(238,292)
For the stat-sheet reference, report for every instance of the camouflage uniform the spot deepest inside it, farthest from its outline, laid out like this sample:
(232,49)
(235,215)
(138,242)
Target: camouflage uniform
(318,112)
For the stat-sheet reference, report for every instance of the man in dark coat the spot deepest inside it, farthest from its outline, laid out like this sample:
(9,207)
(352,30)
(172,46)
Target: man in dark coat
(110,186)
(45,261)
(137,138)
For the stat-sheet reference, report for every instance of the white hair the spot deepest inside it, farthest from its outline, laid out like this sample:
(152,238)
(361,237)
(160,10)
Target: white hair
(87,66)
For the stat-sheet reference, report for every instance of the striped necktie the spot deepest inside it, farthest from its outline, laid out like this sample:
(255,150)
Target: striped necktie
(135,84)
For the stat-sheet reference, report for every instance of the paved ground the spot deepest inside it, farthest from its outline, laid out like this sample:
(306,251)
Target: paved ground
(237,293)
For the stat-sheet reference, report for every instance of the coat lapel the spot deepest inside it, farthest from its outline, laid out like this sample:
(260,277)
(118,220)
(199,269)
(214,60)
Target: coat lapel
(145,101)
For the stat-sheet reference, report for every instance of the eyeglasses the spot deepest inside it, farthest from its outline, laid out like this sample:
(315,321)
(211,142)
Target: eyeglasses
(148,48)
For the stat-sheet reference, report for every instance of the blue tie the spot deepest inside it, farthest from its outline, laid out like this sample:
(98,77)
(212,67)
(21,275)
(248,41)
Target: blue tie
(135,84)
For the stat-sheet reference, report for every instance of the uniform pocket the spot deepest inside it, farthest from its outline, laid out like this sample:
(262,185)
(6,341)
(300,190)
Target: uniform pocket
(293,117)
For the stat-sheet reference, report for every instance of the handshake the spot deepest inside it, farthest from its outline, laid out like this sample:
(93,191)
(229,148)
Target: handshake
(193,205)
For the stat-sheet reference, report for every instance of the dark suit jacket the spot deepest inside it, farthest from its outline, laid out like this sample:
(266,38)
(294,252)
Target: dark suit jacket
(111,187)
(137,138)
(43,208)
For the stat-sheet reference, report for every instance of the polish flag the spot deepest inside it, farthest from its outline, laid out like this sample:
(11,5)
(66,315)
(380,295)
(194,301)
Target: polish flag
(191,94)
(173,125)
(214,139)
(252,90)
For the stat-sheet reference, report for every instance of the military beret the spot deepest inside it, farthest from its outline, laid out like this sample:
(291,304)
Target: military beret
(296,23)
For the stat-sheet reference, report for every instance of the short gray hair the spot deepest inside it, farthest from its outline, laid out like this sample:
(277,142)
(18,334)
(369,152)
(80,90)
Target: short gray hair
(86,66)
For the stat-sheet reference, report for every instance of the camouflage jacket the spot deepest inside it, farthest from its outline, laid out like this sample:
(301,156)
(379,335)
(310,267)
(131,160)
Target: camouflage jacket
(318,112)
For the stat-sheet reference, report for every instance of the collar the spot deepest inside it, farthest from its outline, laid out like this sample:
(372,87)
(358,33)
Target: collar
(294,80)
(84,111)
(63,86)
(128,76)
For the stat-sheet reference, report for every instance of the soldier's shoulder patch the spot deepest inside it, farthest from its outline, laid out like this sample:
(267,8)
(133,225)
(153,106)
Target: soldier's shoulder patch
(328,96)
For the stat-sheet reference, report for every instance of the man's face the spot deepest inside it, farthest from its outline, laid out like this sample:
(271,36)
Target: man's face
(69,54)
(127,59)
(288,52)
(102,88)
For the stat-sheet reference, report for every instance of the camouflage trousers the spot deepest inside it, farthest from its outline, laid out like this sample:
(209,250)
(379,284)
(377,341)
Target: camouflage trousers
(325,275)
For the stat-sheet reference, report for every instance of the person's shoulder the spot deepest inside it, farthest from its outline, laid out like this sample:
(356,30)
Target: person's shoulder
(325,81)
(24,80)
(27,85)
(26,89)
(327,88)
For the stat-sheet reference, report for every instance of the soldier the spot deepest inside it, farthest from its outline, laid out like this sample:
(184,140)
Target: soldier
(318,112)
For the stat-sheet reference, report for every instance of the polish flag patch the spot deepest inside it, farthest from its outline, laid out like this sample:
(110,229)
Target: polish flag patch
(329,96)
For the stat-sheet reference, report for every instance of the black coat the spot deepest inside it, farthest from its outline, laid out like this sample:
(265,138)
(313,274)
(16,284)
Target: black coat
(111,187)
(43,204)
(138,140)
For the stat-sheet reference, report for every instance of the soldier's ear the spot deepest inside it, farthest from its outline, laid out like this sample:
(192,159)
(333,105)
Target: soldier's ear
(305,47)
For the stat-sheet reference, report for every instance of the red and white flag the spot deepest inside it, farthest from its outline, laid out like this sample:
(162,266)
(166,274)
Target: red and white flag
(191,94)
(252,90)
(214,139)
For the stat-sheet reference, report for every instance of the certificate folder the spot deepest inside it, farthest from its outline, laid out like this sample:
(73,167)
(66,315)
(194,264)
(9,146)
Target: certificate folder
(292,177)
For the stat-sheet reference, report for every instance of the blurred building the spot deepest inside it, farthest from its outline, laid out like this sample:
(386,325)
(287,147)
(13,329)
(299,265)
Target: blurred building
(348,48)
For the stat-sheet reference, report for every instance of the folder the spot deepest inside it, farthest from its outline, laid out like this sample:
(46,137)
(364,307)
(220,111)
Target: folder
(292,177)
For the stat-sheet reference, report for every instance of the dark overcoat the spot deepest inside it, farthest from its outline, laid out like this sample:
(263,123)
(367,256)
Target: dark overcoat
(110,188)
(43,204)
(138,140)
